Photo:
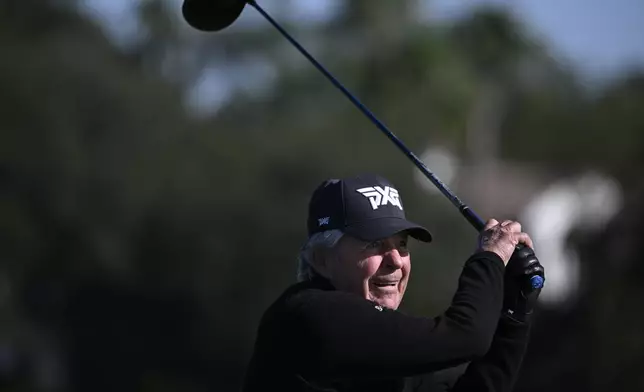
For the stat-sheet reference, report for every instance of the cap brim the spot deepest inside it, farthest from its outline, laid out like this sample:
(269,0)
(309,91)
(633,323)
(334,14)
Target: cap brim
(376,229)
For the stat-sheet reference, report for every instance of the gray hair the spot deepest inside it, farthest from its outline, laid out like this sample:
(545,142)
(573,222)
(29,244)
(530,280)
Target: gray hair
(324,240)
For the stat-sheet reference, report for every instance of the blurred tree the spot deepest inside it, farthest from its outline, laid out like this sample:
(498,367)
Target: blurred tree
(571,130)
(493,45)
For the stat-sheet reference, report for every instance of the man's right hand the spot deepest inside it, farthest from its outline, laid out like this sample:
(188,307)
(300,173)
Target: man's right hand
(502,238)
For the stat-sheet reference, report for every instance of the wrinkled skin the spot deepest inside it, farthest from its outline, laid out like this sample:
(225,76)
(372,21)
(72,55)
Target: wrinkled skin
(377,271)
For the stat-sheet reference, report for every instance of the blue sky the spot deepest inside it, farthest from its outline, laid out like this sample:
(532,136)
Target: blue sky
(599,36)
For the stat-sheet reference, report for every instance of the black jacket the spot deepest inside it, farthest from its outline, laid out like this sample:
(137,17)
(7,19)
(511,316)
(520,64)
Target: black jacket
(315,338)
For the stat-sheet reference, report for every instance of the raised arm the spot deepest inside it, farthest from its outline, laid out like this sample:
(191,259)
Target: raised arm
(498,369)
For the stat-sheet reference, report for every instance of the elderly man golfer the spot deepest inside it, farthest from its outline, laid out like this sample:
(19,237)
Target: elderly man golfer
(338,328)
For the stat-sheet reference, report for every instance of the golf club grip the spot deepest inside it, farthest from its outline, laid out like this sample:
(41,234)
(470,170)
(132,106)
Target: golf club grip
(536,281)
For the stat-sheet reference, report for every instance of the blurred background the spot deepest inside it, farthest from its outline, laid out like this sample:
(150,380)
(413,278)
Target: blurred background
(154,179)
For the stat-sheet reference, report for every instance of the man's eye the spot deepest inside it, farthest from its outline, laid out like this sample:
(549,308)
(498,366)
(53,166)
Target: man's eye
(374,245)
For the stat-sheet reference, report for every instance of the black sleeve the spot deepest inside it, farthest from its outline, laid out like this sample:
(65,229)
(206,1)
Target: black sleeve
(498,369)
(335,334)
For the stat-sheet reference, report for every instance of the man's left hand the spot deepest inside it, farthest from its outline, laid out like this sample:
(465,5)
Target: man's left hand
(520,297)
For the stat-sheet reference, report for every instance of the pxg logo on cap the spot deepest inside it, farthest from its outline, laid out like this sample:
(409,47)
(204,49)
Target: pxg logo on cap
(379,196)
(367,207)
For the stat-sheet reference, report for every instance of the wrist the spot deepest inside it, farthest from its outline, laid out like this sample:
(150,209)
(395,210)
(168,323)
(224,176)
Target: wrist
(486,255)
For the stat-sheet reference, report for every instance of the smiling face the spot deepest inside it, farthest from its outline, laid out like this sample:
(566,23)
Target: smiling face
(377,271)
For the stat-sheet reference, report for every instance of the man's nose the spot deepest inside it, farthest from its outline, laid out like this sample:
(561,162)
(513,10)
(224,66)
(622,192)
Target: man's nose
(393,258)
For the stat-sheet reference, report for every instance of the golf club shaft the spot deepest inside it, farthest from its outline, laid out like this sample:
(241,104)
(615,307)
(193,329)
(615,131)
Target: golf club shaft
(535,280)
(467,212)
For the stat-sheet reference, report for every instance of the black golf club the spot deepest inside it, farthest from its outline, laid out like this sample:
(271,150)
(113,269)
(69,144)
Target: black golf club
(214,15)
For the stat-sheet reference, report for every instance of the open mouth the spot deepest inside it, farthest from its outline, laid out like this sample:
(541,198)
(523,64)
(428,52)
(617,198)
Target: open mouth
(385,284)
